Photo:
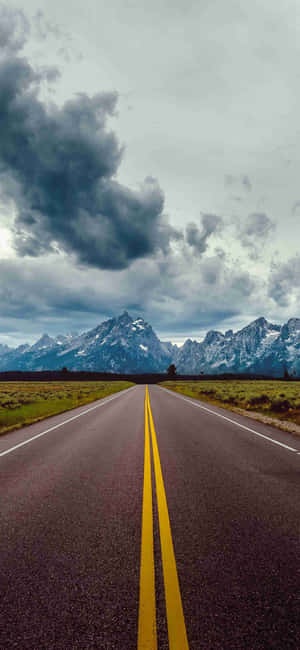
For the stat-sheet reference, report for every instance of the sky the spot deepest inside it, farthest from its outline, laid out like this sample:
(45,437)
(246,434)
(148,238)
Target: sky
(149,161)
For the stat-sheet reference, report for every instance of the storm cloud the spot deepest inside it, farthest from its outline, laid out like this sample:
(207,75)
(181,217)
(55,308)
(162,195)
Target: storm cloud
(198,238)
(63,162)
(51,294)
(80,240)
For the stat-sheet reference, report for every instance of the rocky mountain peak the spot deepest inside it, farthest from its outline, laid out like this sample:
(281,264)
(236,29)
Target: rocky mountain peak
(44,342)
(188,342)
(124,319)
(258,324)
(213,336)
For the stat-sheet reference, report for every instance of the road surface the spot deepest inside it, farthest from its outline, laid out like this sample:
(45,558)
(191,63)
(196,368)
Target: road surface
(161,523)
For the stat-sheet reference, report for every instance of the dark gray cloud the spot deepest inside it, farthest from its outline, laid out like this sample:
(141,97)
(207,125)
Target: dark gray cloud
(284,281)
(35,290)
(198,238)
(64,163)
(39,295)
(254,232)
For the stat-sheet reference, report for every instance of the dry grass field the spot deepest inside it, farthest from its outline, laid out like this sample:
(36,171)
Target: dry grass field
(26,402)
(277,399)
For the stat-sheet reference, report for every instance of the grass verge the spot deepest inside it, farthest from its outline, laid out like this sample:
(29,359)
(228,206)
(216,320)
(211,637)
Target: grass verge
(23,403)
(272,402)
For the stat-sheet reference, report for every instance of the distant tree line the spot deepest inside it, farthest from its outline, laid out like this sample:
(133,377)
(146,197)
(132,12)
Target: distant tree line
(146,378)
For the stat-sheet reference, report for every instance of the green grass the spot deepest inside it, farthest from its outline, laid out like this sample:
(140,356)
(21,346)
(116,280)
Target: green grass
(22,403)
(278,399)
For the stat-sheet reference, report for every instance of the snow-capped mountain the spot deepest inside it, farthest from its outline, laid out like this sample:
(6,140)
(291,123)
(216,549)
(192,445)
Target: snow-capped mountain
(128,345)
(118,345)
(261,347)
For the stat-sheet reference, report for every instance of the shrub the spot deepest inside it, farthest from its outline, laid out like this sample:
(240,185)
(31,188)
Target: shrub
(258,400)
(280,405)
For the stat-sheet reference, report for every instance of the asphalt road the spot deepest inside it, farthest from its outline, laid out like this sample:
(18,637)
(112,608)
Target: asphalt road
(85,564)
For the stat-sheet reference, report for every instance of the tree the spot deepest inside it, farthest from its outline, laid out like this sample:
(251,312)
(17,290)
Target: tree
(64,370)
(171,370)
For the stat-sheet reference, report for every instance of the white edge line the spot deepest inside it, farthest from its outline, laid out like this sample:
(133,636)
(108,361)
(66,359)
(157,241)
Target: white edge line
(61,424)
(238,424)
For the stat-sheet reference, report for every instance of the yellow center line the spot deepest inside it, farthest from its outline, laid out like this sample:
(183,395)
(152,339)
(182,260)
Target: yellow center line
(147,637)
(175,617)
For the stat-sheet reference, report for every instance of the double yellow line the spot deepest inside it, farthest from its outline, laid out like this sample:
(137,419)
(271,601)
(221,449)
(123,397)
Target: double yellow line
(147,634)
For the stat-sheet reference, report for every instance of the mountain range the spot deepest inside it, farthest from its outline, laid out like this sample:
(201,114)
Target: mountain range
(128,345)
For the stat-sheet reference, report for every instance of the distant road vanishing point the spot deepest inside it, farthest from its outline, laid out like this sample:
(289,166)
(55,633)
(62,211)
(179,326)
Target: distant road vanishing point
(149,520)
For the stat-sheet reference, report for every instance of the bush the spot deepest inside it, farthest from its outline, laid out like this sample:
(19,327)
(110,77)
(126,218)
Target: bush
(280,405)
(258,400)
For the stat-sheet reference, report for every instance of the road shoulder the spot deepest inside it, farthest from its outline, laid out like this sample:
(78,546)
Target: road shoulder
(282,425)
